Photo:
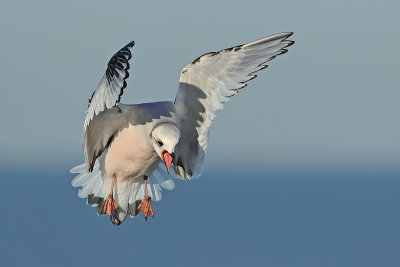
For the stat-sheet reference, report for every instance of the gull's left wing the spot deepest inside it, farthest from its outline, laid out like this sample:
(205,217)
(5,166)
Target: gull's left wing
(206,84)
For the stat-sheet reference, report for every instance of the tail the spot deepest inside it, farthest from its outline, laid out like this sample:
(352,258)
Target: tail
(127,194)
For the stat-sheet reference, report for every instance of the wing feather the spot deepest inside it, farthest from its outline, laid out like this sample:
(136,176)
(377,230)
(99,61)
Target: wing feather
(111,87)
(206,84)
(103,118)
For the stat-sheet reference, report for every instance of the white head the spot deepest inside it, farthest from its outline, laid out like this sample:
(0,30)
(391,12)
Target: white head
(164,139)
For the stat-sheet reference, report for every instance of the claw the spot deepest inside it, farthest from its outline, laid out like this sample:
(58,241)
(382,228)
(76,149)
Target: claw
(145,205)
(110,204)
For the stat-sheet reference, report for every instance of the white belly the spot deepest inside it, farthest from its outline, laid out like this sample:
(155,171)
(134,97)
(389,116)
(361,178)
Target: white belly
(130,155)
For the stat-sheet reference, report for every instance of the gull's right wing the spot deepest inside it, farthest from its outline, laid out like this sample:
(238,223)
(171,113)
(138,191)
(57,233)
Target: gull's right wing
(103,118)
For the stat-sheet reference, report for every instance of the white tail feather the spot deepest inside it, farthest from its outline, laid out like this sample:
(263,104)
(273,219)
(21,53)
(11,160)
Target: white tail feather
(125,192)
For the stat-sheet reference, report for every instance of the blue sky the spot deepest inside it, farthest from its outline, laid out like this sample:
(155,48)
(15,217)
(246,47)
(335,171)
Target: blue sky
(331,100)
(303,163)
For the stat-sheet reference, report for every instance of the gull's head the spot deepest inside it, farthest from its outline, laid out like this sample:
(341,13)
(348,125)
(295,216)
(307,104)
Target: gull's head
(164,139)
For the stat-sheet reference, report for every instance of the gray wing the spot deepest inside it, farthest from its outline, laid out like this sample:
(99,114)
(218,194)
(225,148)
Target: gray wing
(99,134)
(103,117)
(206,84)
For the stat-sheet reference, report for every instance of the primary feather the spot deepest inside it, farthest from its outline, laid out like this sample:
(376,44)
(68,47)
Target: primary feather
(111,87)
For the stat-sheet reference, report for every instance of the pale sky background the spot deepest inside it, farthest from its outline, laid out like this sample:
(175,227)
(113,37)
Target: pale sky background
(333,99)
(302,166)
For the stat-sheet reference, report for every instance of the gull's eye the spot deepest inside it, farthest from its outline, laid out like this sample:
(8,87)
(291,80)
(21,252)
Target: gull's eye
(160,143)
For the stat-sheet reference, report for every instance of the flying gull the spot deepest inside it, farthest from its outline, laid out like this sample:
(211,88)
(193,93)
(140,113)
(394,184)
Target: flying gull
(129,149)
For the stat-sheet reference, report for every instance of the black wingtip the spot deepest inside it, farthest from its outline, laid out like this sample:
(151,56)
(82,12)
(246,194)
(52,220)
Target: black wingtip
(287,34)
(130,44)
(289,43)
(282,51)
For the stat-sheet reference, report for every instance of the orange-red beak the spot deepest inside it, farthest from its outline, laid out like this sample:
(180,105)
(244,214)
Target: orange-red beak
(167,159)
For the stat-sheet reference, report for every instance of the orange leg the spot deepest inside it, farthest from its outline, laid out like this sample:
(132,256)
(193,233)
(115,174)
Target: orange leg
(145,205)
(110,204)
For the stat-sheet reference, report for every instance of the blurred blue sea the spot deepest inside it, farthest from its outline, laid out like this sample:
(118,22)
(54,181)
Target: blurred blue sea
(225,218)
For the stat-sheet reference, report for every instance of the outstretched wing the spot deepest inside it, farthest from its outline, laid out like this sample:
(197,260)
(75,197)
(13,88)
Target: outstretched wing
(111,87)
(103,118)
(207,83)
